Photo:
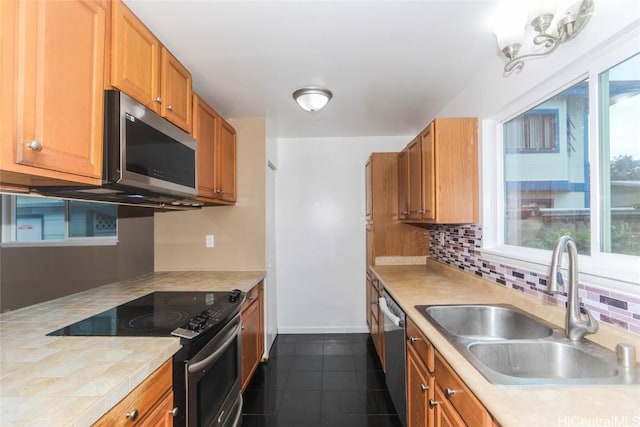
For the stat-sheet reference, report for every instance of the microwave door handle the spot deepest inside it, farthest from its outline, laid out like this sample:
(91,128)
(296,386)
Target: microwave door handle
(228,340)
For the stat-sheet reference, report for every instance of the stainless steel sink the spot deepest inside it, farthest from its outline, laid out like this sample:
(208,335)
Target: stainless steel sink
(487,322)
(511,347)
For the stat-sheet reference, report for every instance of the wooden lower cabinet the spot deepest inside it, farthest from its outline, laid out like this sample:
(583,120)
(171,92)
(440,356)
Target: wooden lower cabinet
(436,396)
(252,335)
(420,389)
(374,317)
(444,414)
(149,404)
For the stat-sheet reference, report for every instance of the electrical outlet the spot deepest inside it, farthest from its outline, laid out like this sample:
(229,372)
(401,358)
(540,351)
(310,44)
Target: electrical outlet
(209,241)
(441,238)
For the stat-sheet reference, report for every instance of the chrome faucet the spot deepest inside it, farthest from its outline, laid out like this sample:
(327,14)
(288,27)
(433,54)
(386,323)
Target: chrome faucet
(575,326)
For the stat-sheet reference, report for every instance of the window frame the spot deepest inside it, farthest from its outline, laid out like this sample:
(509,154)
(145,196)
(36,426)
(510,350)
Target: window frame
(616,272)
(8,216)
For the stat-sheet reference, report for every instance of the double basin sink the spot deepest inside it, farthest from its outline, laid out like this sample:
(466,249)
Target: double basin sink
(511,347)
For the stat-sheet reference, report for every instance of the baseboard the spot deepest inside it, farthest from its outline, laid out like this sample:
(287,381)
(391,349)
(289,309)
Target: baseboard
(323,330)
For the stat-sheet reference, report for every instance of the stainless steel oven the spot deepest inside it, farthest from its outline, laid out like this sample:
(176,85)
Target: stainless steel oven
(213,380)
(207,369)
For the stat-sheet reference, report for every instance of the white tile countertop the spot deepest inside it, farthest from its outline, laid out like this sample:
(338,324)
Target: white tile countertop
(514,406)
(73,381)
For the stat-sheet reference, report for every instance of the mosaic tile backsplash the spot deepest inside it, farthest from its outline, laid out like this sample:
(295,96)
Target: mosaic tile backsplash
(462,250)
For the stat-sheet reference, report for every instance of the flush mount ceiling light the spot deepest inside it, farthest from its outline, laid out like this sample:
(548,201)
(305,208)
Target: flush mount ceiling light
(569,17)
(312,99)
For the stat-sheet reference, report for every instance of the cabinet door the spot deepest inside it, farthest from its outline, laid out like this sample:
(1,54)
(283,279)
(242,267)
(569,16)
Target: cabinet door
(370,242)
(204,128)
(59,93)
(403,184)
(175,92)
(226,161)
(135,58)
(369,293)
(444,413)
(415,179)
(249,337)
(428,173)
(162,415)
(368,188)
(419,390)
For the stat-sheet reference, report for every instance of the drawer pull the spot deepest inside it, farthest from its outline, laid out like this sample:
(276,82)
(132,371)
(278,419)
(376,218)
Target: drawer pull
(174,412)
(413,339)
(433,403)
(424,387)
(449,392)
(132,415)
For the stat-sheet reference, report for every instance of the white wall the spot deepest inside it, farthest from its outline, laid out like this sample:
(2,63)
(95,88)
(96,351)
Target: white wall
(320,232)
(490,94)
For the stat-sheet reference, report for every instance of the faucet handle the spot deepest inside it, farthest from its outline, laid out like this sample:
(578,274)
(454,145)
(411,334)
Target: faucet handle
(591,324)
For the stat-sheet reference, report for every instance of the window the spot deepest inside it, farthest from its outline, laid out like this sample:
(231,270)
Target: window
(570,164)
(27,220)
(620,157)
(547,188)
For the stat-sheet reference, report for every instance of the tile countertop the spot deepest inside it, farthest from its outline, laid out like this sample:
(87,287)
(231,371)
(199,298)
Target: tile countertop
(73,381)
(515,406)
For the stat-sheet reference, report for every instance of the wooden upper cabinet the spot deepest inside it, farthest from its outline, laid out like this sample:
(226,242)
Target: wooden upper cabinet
(135,58)
(428,173)
(226,160)
(146,71)
(52,96)
(175,91)
(403,184)
(204,130)
(216,154)
(443,173)
(368,190)
(414,156)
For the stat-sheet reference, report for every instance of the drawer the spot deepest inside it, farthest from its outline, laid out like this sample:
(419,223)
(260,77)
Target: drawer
(417,340)
(142,399)
(457,393)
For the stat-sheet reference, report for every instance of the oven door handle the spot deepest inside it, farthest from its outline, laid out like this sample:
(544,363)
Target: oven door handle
(229,337)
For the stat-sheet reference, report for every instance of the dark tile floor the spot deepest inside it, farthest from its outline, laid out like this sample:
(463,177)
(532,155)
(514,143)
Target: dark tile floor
(319,380)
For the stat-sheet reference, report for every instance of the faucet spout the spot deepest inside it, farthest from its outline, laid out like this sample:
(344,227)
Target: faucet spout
(575,326)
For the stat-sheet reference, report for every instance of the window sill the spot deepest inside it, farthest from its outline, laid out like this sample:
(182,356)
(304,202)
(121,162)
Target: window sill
(619,275)
(108,241)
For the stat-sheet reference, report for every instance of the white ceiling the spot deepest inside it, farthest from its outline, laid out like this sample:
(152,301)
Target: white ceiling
(391,65)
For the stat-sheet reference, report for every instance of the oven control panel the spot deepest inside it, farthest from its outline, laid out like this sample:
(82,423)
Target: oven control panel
(211,317)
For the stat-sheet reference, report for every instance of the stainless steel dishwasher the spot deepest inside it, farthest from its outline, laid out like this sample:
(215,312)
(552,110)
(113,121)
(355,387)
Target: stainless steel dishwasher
(395,354)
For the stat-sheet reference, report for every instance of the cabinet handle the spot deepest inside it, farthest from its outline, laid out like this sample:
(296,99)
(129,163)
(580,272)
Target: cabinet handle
(405,212)
(174,412)
(421,211)
(424,387)
(170,107)
(433,403)
(449,392)
(35,145)
(132,415)
(158,99)
(413,339)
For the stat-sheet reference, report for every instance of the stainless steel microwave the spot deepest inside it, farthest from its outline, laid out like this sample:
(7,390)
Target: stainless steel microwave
(146,159)
(145,151)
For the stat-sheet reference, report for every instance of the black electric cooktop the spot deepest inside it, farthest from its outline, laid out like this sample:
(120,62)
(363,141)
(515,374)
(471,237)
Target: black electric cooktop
(158,314)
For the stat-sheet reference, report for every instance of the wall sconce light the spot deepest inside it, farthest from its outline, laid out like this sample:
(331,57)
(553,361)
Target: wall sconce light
(312,99)
(510,33)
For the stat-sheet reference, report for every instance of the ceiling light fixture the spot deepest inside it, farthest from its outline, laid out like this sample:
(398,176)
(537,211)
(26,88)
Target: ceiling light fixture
(510,32)
(312,99)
